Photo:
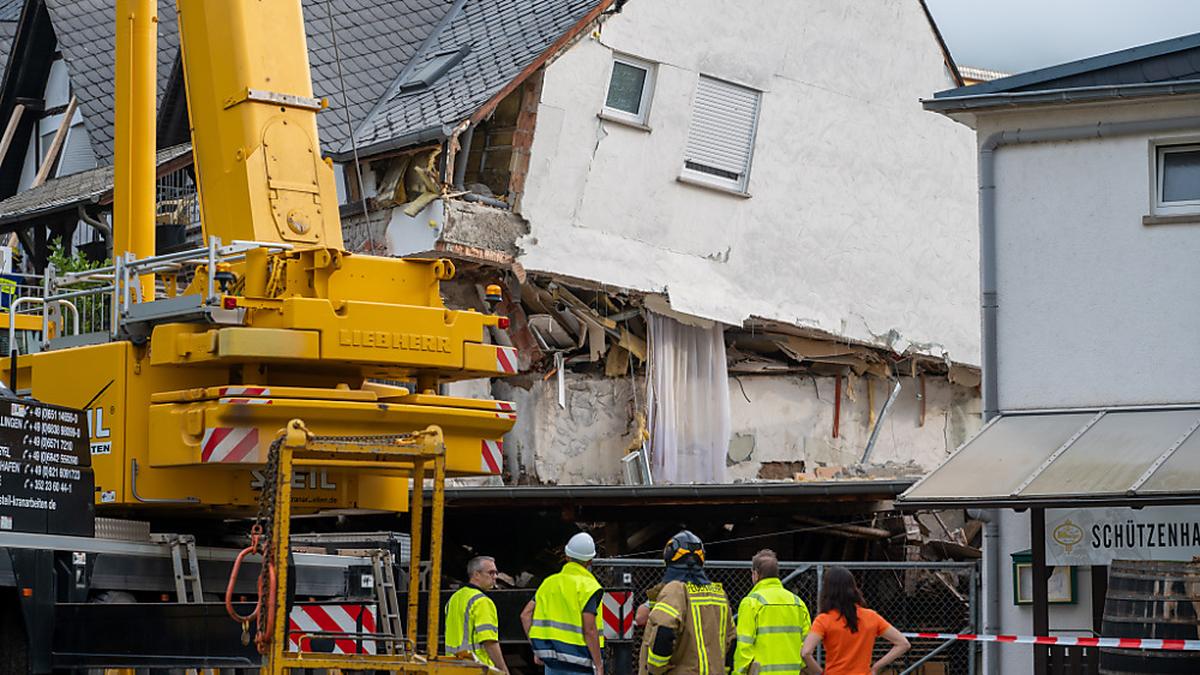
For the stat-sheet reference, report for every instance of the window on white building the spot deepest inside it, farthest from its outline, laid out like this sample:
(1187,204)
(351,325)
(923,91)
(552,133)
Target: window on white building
(1177,179)
(720,141)
(630,87)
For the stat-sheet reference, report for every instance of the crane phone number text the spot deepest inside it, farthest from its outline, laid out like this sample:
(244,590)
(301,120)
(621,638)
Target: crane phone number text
(41,470)
(40,456)
(44,443)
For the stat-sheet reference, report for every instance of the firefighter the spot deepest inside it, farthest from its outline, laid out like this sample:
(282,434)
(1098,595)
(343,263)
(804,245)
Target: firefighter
(563,619)
(689,629)
(472,626)
(771,623)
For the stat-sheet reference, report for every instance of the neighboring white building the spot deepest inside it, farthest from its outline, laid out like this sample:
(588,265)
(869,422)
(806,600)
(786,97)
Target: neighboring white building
(1090,203)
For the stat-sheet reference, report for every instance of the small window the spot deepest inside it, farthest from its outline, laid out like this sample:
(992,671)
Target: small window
(1177,180)
(629,90)
(721,136)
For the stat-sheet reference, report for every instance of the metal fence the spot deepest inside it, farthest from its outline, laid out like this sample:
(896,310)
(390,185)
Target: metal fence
(913,596)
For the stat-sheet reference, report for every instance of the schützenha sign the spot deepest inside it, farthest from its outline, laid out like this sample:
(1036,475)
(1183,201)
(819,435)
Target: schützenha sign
(1099,536)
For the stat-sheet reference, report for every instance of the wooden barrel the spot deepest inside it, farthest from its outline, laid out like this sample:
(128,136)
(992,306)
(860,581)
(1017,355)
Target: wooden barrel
(1151,599)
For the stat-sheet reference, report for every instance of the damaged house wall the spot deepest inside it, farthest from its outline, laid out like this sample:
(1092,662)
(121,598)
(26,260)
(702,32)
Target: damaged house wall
(782,420)
(859,214)
(781,426)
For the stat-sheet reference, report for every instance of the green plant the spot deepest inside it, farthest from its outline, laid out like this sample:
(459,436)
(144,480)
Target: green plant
(93,309)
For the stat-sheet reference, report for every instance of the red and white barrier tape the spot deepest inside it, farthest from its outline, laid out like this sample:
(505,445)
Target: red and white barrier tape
(1124,643)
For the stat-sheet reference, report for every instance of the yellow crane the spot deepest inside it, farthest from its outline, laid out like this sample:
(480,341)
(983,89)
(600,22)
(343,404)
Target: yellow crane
(210,354)
(273,320)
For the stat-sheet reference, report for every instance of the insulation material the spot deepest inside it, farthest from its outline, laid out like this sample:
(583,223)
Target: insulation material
(688,402)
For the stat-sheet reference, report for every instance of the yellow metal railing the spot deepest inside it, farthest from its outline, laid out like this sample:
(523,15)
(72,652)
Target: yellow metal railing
(422,450)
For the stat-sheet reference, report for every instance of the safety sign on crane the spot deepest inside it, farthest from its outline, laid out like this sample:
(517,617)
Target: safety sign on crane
(46,481)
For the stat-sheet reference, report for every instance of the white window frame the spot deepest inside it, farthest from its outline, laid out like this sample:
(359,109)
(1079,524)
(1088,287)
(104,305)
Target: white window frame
(1159,150)
(642,117)
(741,185)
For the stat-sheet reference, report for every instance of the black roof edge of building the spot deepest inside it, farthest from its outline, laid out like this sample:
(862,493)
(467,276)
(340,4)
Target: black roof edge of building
(1032,77)
(700,494)
(982,101)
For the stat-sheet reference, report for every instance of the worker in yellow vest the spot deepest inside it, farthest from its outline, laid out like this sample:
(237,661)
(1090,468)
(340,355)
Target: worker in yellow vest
(472,627)
(563,619)
(771,623)
(689,630)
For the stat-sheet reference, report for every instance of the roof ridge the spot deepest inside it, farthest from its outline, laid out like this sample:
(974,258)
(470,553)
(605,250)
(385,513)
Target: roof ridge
(394,86)
(1078,66)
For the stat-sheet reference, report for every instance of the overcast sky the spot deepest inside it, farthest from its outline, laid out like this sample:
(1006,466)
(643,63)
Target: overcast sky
(1018,35)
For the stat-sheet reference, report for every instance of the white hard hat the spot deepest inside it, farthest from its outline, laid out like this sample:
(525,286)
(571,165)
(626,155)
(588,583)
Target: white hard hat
(581,547)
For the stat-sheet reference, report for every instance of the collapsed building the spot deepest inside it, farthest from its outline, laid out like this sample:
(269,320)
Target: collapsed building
(739,262)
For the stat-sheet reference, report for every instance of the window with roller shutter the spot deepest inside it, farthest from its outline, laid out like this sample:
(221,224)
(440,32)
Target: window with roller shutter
(720,140)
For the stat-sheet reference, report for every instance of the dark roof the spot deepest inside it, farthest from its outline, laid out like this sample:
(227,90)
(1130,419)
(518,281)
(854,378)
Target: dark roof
(84,29)
(375,38)
(378,43)
(10,10)
(1166,67)
(480,46)
(66,192)
(8,30)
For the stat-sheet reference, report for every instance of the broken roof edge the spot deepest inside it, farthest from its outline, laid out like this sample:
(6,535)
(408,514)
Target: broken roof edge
(659,301)
(1071,95)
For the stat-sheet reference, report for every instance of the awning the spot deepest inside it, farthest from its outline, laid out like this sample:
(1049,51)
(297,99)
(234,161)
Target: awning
(1111,457)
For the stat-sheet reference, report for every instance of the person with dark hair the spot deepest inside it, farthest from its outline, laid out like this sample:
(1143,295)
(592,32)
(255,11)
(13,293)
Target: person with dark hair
(771,622)
(848,630)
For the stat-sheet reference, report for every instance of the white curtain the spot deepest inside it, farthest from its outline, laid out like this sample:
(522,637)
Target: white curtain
(688,402)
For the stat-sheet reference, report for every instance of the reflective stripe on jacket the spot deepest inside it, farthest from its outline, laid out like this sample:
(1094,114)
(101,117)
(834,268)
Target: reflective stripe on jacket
(698,618)
(557,631)
(771,626)
(470,621)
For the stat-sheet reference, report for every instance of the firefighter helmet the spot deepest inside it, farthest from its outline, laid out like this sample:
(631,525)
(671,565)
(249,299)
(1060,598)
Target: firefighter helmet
(684,550)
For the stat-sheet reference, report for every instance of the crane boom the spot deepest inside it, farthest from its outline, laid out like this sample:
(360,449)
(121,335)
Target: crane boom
(254,124)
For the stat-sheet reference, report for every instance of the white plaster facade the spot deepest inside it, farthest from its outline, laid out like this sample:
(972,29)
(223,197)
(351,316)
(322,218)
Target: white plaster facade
(860,219)
(1090,298)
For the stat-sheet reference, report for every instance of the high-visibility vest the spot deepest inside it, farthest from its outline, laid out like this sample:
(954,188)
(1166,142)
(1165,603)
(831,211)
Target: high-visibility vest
(470,621)
(557,631)
(771,626)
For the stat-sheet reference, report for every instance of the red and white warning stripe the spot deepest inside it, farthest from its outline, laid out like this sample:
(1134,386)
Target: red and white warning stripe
(351,618)
(492,456)
(617,612)
(1123,643)
(245,395)
(506,359)
(504,406)
(229,444)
